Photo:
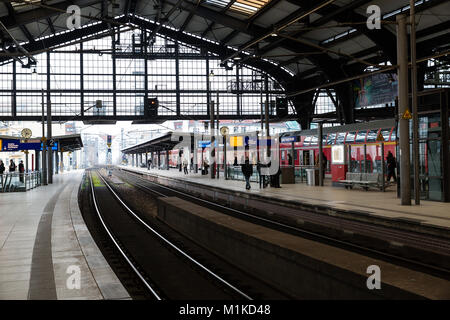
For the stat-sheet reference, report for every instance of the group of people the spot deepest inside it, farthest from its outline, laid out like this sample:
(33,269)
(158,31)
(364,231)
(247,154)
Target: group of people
(12,168)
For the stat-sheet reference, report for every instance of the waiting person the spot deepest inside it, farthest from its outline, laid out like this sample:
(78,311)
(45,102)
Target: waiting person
(12,166)
(2,167)
(192,164)
(276,178)
(21,170)
(235,163)
(185,166)
(247,171)
(391,165)
(149,164)
(206,165)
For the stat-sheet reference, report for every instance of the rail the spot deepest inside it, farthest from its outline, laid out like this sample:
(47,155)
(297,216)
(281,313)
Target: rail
(160,237)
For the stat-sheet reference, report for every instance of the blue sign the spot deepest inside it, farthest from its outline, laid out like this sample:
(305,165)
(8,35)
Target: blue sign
(206,143)
(54,147)
(17,145)
(10,145)
(288,139)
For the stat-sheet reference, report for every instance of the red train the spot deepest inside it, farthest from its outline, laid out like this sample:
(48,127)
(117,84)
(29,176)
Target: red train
(358,136)
(303,148)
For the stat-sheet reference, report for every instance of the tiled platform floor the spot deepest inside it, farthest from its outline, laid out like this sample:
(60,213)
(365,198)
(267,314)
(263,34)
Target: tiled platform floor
(383,204)
(44,242)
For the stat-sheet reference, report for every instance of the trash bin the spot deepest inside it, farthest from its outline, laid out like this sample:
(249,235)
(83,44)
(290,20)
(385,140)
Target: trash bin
(312,177)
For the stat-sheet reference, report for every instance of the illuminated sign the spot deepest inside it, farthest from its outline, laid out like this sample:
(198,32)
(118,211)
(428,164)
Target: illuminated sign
(338,154)
(236,141)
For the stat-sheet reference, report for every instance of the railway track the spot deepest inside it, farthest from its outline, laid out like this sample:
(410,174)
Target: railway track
(397,235)
(158,258)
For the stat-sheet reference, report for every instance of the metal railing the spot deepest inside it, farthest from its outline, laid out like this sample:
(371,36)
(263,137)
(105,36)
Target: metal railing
(235,173)
(16,181)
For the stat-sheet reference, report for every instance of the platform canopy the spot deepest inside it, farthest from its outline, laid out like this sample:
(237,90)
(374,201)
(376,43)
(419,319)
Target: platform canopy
(160,143)
(69,143)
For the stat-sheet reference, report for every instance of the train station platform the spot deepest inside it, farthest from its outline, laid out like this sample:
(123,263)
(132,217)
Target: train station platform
(384,207)
(46,250)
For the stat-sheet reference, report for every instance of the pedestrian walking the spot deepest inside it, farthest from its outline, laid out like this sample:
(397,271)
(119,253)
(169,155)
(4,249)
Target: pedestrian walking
(247,171)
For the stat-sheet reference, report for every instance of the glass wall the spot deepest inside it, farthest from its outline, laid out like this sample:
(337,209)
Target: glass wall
(123,72)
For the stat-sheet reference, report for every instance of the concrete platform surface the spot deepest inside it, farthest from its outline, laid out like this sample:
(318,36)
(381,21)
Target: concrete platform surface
(46,250)
(372,202)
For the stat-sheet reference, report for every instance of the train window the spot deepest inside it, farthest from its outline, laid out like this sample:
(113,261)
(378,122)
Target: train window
(340,138)
(372,135)
(308,141)
(361,136)
(331,138)
(394,135)
(314,141)
(385,133)
(350,137)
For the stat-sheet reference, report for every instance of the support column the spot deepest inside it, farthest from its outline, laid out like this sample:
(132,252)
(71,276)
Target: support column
(212,148)
(266,112)
(159,159)
(321,172)
(403,101)
(146,160)
(26,160)
(44,145)
(37,163)
(57,162)
(414,103)
(167,159)
(49,138)
(62,162)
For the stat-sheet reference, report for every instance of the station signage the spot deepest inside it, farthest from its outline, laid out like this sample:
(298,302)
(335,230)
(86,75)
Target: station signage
(288,139)
(206,143)
(12,145)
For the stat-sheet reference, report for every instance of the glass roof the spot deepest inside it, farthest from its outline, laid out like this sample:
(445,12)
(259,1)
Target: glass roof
(247,7)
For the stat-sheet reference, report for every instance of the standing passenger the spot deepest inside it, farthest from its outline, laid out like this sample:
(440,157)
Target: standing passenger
(12,166)
(247,171)
(2,167)
(21,170)
(391,165)
(185,166)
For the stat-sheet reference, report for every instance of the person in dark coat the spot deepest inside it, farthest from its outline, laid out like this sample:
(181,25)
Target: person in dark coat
(2,167)
(276,178)
(247,171)
(391,165)
(21,170)
(12,166)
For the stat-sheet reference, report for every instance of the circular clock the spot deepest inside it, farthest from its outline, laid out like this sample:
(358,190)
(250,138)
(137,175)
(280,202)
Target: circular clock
(26,133)
(224,131)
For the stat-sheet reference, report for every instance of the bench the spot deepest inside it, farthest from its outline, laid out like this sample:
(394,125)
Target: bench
(364,180)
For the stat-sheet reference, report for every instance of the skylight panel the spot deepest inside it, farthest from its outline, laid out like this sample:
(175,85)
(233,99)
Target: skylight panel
(247,7)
